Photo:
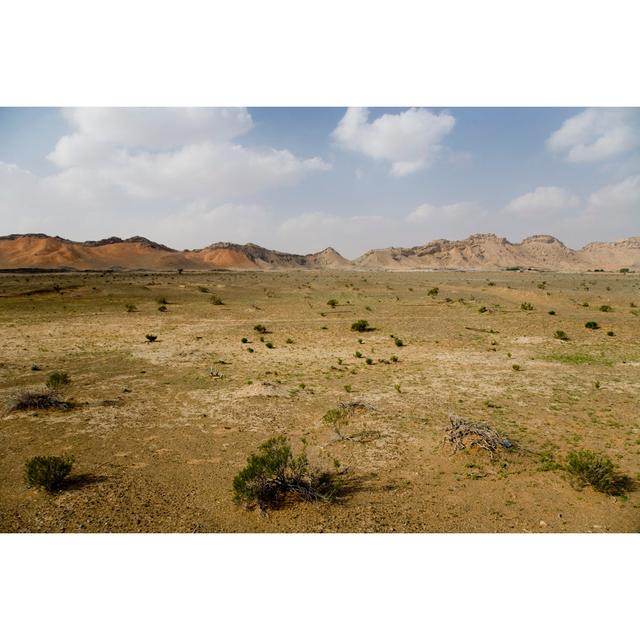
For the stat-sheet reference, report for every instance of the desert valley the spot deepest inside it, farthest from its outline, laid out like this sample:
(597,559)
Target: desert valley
(457,386)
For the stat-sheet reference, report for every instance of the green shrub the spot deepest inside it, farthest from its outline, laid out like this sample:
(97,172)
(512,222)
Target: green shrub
(260,328)
(605,308)
(289,340)
(394,358)
(433,292)
(552,313)
(610,334)
(47,472)
(516,367)
(347,388)
(361,326)
(273,474)
(215,299)
(482,310)
(150,337)
(398,342)
(57,380)
(560,335)
(333,303)
(162,308)
(269,345)
(130,308)
(597,470)
(244,340)
(591,325)
(369,361)
(338,416)
(526,306)
(358,354)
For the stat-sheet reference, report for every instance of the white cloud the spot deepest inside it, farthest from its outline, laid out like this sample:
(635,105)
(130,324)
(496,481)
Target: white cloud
(409,140)
(446,213)
(597,134)
(126,169)
(543,202)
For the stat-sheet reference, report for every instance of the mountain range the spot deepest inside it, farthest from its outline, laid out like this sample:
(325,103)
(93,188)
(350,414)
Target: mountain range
(482,252)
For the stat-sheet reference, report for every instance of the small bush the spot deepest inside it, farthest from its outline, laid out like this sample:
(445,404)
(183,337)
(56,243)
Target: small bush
(516,367)
(610,334)
(597,470)
(526,306)
(369,361)
(560,335)
(36,399)
(361,326)
(338,416)
(591,325)
(289,340)
(269,345)
(605,308)
(482,310)
(552,313)
(433,292)
(47,472)
(333,303)
(162,308)
(162,300)
(398,342)
(347,388)
(244,340)
(260,328)
(394,358)
(58,379)
(215,299)
(150,337)
(273,474)
(202,289)
(358,354)
(131,308)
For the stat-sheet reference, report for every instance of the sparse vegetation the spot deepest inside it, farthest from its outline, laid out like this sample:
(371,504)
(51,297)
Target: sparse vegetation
(131,308)
(596,470)
(606,308)
(58,379)
(398,342)
(361,326)
(216,300)
(47,472)
(433,292)
(560,335)
(150,337)
(526,306)
(578,358)
(274,474)
(260,328)
(27,399)
(333,303)
(592,324)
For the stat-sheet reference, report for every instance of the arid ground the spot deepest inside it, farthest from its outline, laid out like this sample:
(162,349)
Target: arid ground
(159,430)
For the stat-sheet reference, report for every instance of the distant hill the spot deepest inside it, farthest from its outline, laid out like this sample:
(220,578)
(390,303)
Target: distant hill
(486,252)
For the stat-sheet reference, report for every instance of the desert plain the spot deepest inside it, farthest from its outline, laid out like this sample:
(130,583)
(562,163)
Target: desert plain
(158,430)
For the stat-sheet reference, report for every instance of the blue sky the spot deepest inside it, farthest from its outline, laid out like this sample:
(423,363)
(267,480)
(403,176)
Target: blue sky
(299,179)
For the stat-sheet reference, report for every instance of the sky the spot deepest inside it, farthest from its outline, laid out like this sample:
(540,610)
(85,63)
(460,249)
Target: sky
(302,179)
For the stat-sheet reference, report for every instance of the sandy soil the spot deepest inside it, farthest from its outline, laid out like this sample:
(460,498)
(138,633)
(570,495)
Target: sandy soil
(157,439)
